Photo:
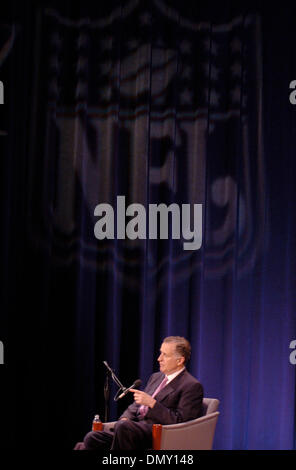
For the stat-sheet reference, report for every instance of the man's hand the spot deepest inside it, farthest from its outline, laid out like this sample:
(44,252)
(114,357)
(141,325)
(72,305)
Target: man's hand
(142,398)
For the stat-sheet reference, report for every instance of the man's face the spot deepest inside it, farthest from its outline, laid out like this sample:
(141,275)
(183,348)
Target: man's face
(169,360)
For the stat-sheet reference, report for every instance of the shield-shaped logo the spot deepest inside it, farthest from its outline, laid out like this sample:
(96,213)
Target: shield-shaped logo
(158,119)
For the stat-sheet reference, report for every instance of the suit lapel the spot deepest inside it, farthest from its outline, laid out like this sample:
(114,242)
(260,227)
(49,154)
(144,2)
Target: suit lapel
(154,384)
(170,387)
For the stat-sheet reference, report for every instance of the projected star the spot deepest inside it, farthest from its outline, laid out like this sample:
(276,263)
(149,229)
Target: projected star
(244,100)
(53,86)
(145,18)
(236,94)
(214,98)
(159,43)
(54,62)
(207,43)
(236,69)
(186,96)
(236,45)
(214,48)
(185,47)
(105,92)
(81,90)
(82,40)
(132,44)
(211,127)
(206,67)
(81,64)
(56,40)
(106,43)
(210,46)
(206,93)
(187,72)
(214,72)
(105,67)
(158,100)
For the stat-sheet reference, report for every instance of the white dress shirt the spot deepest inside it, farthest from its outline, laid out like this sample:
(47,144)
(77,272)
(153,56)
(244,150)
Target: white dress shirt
(172,376)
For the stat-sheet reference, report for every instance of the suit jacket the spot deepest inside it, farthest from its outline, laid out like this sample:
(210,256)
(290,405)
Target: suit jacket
(180,400)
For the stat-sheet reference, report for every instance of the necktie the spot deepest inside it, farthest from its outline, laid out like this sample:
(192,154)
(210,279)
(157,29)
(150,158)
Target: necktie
(144,408)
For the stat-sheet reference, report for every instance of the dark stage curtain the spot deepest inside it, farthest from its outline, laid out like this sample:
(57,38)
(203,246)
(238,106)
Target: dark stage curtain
(160,102)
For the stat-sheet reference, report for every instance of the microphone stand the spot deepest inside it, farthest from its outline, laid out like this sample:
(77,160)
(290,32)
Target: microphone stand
(106,396)
(116,380)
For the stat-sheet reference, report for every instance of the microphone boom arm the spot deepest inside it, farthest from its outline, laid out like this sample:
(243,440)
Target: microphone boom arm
(122,389)
(115,379)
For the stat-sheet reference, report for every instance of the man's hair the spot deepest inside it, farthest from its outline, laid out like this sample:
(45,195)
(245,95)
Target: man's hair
(183,347)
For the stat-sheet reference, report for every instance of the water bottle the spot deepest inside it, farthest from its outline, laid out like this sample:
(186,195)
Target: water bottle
(97,424)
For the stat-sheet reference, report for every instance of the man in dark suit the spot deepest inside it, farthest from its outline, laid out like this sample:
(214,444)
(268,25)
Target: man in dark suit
(170,396)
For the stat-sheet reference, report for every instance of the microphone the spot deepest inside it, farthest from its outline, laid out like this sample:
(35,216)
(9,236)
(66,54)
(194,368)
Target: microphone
(136,383)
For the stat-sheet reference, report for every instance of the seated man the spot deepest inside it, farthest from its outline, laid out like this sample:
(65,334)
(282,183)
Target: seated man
(171,396)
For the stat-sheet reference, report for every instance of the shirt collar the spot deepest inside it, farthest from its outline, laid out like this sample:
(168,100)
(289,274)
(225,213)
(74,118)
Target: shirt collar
(172,376)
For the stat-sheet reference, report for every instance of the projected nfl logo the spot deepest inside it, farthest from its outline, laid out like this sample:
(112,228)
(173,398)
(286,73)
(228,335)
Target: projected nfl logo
(168,121)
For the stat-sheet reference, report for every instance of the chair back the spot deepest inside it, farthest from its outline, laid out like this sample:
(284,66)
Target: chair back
(197,434)
(210,405)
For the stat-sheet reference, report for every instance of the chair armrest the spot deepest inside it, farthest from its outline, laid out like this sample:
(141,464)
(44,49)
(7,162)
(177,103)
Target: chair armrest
(109,426)
(197,434)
